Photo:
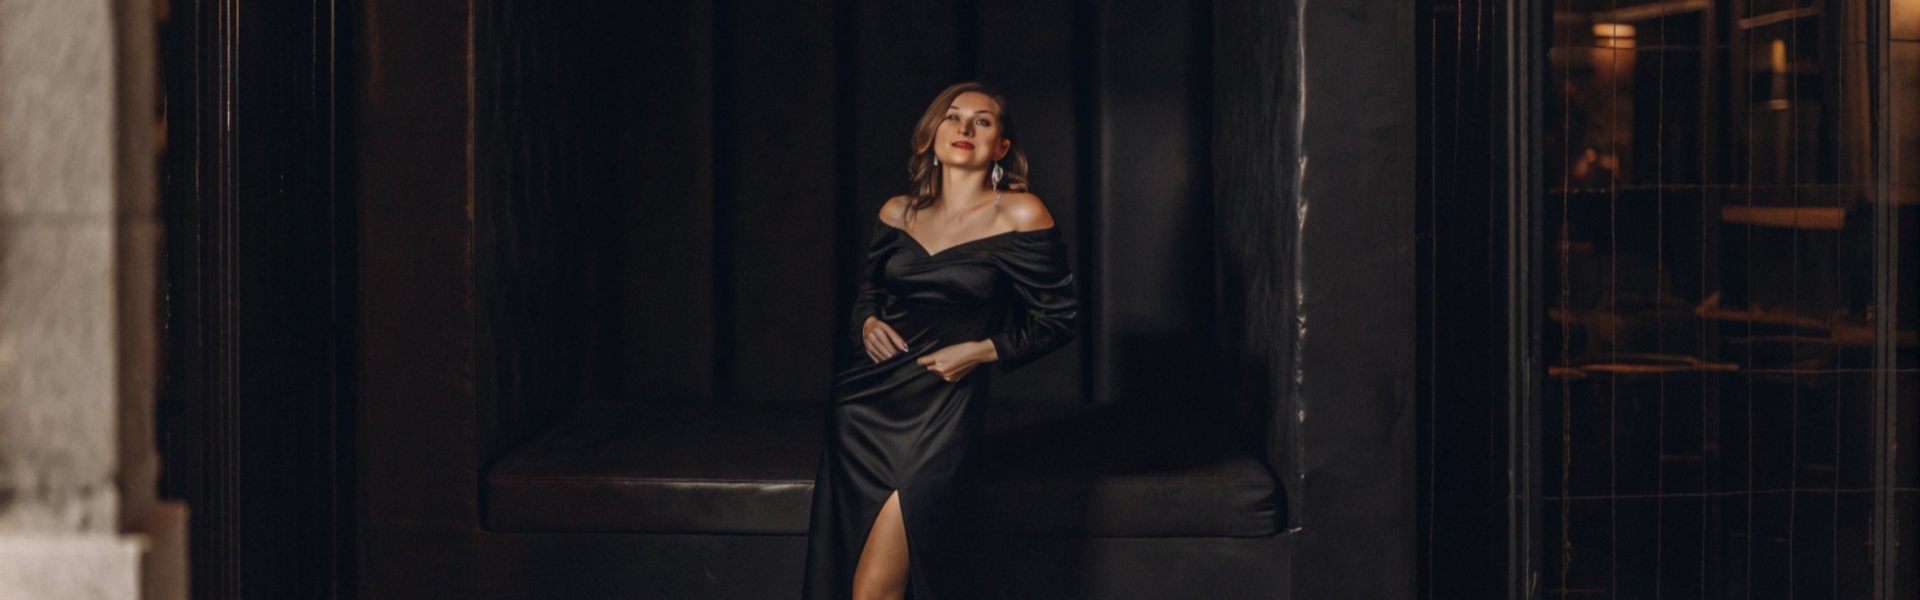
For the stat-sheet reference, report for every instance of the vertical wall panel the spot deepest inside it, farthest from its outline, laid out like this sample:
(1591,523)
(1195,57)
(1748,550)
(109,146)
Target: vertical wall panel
(782,206)
(418,438)
(664,260)
(1252,133)
(1027,51)
(1155,243)
(1354,323)
(259,276)
(543,179)
(1462,370)
(906,54)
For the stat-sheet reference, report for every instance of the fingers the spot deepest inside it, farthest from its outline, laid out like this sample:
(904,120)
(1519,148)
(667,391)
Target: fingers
(959,372)
(948,371)
(883,342)
(895,337)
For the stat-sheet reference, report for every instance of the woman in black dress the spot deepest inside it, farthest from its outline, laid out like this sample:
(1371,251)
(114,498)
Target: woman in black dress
(968,269)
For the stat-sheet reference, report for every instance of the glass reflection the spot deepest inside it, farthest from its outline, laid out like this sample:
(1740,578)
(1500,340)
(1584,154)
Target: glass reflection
(1710,172)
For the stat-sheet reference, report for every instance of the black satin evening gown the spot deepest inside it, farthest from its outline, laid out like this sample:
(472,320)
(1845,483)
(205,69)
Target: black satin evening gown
(895,425)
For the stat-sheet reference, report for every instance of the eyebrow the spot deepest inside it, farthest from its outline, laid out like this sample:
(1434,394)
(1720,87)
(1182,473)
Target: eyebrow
(976,112)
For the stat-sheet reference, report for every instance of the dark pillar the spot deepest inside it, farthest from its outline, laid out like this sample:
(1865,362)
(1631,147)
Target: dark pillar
(1314,140)
(418,462)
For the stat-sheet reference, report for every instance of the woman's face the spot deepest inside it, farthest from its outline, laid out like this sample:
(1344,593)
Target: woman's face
(969,136)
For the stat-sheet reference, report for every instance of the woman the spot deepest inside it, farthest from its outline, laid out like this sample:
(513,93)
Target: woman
(966,270)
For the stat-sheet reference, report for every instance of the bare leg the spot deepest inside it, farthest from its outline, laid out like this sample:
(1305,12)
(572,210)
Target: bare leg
(882,572)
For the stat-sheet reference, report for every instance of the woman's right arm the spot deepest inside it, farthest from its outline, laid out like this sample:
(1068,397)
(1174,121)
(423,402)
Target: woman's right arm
(867,302)
(865,306)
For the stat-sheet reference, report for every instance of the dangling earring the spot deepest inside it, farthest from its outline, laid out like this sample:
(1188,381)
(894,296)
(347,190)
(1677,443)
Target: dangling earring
(936,160)
(998,173)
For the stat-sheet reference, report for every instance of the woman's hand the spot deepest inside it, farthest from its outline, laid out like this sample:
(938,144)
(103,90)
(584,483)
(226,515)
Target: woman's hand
(881,340)
(953,362)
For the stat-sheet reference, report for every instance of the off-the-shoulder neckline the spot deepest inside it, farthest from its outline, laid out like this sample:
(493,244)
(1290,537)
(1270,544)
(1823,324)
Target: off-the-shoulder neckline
(930,254)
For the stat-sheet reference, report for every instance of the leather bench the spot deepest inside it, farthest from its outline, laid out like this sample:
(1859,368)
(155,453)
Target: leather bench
(1051,470)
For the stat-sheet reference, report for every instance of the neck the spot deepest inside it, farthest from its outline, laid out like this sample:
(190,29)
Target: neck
(960,187)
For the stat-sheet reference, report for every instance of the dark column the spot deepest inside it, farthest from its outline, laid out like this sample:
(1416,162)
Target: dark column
(418,436)
(1314,140)
(1354,323)
(255,409)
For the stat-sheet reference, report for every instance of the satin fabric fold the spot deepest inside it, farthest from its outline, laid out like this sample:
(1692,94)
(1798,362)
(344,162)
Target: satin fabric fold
(893,425)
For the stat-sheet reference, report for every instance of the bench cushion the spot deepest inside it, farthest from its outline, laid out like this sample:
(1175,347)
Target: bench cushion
(748,469)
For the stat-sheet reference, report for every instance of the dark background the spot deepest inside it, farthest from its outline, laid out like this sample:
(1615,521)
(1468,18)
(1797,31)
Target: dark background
(437,225)
(661,199)
(256,412)
(404,236)
(1709,406)
(666,194)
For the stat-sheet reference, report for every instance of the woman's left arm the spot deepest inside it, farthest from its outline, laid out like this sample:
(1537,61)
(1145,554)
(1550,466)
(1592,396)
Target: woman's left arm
(1035,268)
(1038,273)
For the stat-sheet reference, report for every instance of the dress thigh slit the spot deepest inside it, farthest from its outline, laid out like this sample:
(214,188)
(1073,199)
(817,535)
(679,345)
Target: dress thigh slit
(873,524)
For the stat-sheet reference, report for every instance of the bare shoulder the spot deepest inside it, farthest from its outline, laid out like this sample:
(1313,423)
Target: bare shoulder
(894,211)
(1025,211)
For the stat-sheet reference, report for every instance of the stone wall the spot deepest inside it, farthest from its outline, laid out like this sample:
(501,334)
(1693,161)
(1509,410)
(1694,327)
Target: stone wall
(79,258)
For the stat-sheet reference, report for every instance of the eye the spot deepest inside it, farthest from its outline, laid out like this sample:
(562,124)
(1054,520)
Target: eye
(953,117)
(983,123)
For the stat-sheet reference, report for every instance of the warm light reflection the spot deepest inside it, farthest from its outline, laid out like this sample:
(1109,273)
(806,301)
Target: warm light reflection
(1613,35)
(1711,289)
(1905,19)
(1612,30)
(1777,59)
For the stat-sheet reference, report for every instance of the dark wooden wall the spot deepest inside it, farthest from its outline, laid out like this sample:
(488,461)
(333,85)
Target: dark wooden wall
(1314,165)
(254,417)
(671,199)
(418,447)
(754,141)
(662,203)
(544,151)
(465,216)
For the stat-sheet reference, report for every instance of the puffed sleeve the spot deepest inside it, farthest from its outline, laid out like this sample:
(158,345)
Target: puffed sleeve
(871,297)
(1035,267)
